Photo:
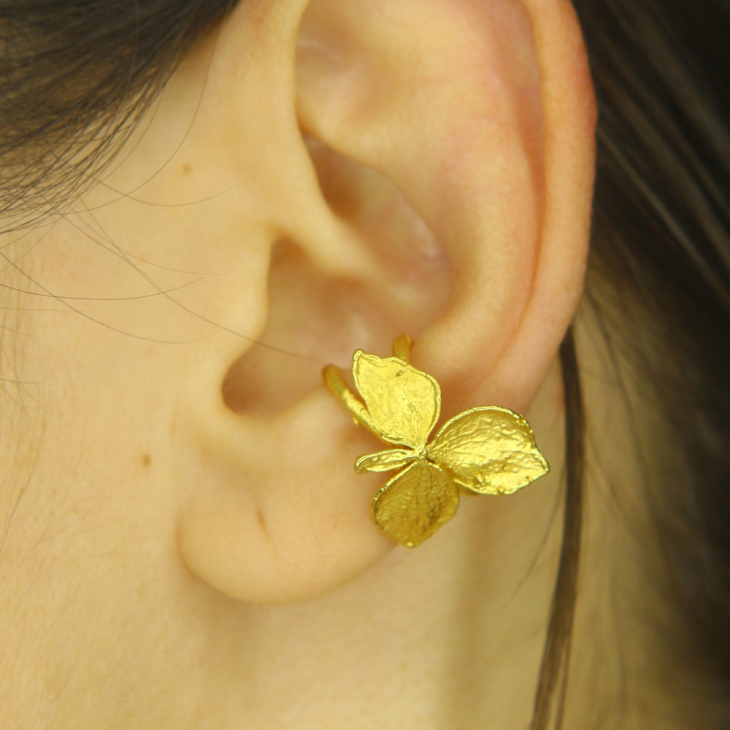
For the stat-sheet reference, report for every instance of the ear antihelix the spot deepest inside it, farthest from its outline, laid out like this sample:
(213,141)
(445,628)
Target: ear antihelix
(456,127)
(484,450)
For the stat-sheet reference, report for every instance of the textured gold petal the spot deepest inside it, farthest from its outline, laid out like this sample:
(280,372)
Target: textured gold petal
(415,503)
(385,460)
(488,450)
(403,403)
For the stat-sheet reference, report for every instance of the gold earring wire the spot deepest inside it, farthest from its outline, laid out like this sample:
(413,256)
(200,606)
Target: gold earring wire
(484,450)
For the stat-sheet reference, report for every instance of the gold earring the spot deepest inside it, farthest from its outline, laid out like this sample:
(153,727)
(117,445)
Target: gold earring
(485,450)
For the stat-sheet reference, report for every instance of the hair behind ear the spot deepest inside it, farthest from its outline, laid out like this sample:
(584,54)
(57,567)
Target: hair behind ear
(554,670)
(659,283)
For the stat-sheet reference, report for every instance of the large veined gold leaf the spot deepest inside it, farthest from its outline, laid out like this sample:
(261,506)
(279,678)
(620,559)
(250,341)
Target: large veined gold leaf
(403,402)
(415,503)
(488,450)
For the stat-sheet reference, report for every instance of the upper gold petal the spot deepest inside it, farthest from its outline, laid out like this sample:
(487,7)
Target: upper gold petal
(403,403)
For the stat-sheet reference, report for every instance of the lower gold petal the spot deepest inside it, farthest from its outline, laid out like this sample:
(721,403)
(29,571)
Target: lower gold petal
(413,505)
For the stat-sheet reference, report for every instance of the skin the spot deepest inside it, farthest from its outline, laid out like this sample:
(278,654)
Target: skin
(186,544)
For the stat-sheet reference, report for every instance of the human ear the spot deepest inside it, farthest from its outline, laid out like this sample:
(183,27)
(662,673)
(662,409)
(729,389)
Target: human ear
(423,166)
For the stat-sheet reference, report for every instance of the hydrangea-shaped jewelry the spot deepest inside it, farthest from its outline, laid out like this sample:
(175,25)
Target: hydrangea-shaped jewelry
(485,450)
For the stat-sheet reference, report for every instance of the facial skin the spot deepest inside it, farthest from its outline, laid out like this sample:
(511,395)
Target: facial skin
(187,545)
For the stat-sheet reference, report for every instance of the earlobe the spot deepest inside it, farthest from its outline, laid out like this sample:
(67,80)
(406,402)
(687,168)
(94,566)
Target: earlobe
(435,118)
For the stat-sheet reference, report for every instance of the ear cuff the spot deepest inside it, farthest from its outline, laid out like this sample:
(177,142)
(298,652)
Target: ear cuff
(484,450)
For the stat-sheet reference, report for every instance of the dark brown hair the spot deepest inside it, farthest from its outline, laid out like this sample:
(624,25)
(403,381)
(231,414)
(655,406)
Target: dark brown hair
(77,75)
(659,285)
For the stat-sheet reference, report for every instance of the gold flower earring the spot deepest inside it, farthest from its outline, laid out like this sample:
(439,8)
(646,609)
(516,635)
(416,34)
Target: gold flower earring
(485,450)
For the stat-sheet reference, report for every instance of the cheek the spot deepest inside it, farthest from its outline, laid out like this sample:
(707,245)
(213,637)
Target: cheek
(87,497)
(157,274)
(102,342)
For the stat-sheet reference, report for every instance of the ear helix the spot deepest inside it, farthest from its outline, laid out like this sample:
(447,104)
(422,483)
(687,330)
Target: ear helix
(485,450)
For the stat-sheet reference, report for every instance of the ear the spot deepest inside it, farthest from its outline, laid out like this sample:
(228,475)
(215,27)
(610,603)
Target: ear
(423,166)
